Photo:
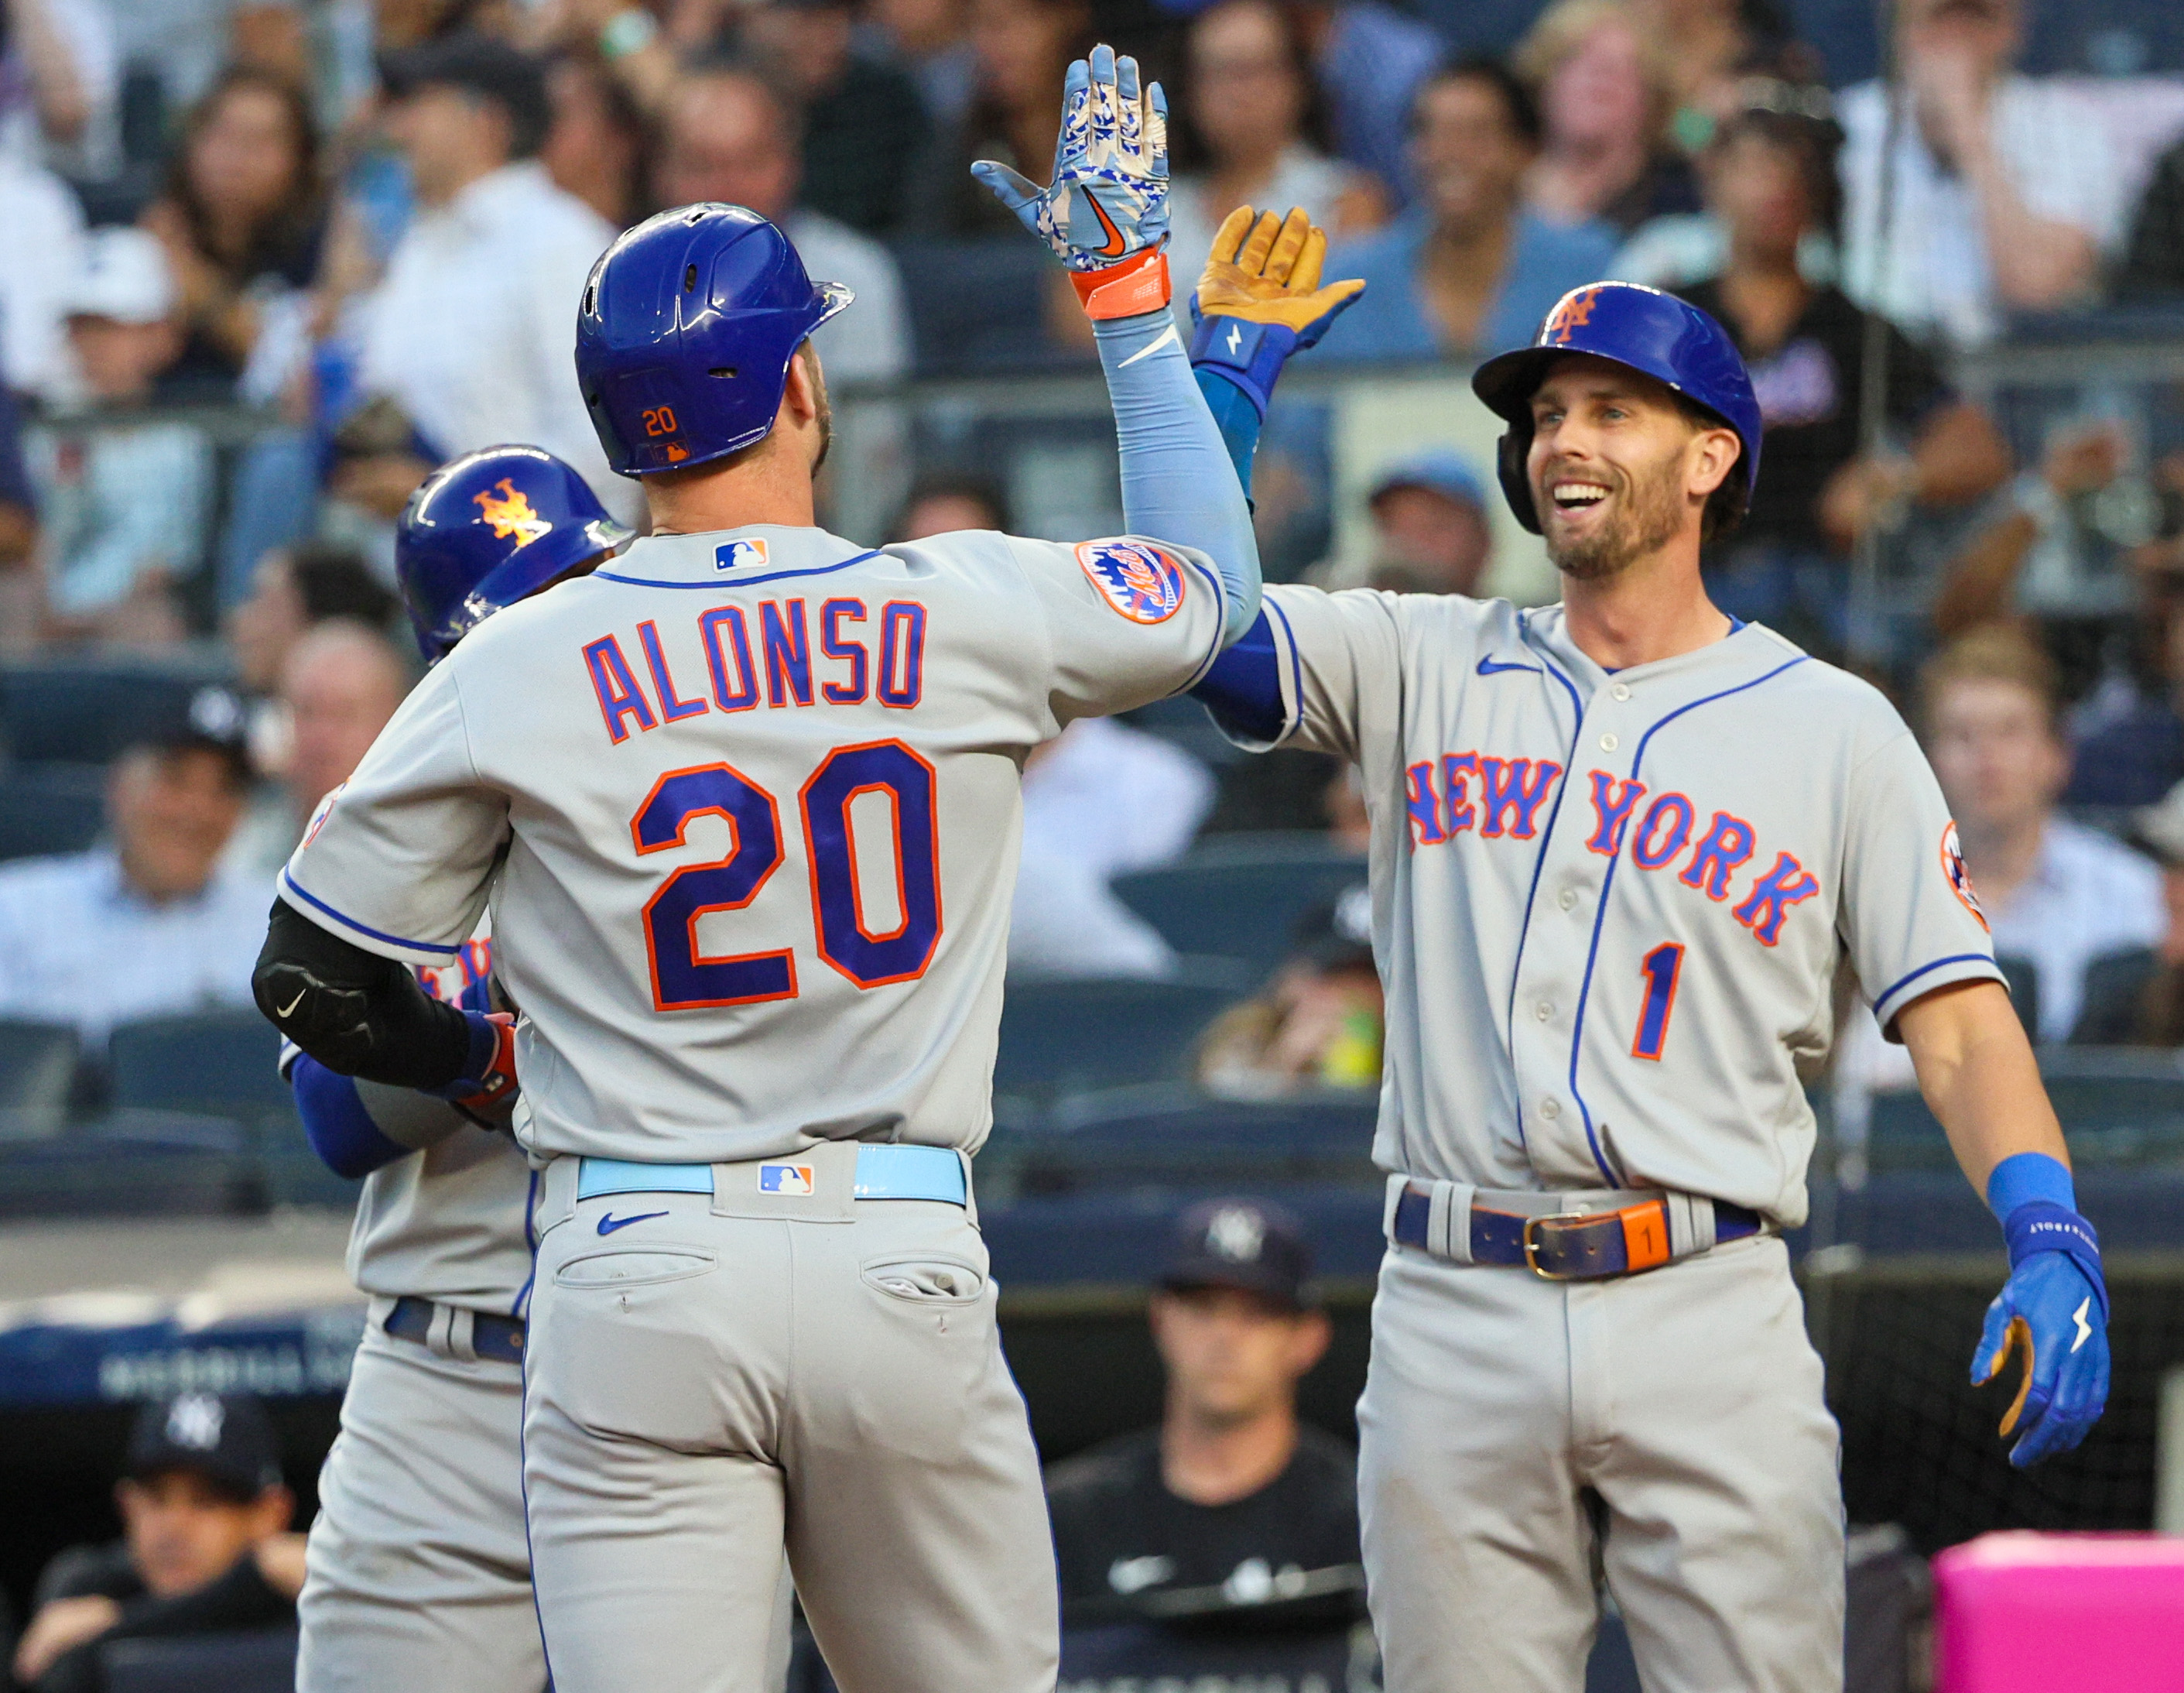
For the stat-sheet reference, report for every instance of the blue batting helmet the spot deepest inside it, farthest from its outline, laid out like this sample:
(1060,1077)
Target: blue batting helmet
(487,529)
(688,323)
(1652,333)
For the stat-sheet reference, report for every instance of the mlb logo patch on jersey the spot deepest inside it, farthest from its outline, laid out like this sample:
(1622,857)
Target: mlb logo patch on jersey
(1960,878)
(1138,580)
(788,1180)
(739,554)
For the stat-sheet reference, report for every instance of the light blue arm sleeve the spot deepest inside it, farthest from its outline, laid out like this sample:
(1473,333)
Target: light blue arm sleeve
(1179,483)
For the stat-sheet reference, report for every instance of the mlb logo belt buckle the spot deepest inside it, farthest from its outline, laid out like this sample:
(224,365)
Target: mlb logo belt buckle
(1590,1246)
(797,1180)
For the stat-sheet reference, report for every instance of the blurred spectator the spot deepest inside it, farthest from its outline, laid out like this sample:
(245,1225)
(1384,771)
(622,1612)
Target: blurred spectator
(944,503)
(241,219)
(341,683)
(1099,800)
(1469,267)
(1231,1500)
(2055,893)
(1714,44)
(205,1545)
(597,147)
(1372,59)
(143,925)
(60,85)
(2144,1007)
(732,136)
(18,535)
(1319,1022)
(293,591)
(1771,183)
(471,331)
(1253,123)
(124,502)
(1605,105)
(2003,188)
(2134,755)
(863,124)
(931,40)
(1430,531)
(2152,264)
(1981,579)
(1022,47)
(40,261)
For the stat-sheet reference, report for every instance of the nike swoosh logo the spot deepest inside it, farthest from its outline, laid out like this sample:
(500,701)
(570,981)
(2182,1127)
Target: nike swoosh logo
(1115,245)
(289,1009)
(1487,666)
(610,1222)
(1167,336)
(2085,1328)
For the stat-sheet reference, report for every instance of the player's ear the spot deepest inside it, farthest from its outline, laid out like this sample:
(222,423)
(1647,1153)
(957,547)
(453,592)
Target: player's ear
(1714,453)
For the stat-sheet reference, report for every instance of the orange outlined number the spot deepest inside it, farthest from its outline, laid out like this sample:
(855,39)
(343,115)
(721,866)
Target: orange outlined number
(659,420)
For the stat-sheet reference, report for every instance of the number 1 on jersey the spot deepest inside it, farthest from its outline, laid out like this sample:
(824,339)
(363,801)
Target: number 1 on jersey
(1660,967)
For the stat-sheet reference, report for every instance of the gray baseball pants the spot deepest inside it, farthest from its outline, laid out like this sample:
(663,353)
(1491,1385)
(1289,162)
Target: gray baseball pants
(711,1378)
(1519,1438)
(417,1575)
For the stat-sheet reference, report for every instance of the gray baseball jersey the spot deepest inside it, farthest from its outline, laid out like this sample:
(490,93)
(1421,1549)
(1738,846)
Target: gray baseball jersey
(750,787)
(1609,908)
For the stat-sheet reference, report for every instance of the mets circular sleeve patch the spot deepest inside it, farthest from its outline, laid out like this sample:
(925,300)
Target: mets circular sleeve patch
(1960,878)
(1138,580)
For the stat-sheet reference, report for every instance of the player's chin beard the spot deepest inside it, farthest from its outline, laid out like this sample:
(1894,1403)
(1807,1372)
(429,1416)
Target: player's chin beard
(1652,512)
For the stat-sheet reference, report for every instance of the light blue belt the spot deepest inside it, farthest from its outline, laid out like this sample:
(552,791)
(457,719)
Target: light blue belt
(883,1172)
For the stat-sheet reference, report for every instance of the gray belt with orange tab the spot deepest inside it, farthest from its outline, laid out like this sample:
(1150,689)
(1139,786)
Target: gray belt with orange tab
(1560,1237)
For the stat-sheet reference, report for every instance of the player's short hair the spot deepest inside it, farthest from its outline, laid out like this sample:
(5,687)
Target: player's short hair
(333,581)
(1994,652)
(1518,105)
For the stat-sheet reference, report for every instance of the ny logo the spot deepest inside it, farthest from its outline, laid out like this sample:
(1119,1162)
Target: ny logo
(511,514)
(1573,310)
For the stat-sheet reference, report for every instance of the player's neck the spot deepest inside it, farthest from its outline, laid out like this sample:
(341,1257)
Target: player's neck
(765,488)
(1654,608)
(1218,1462)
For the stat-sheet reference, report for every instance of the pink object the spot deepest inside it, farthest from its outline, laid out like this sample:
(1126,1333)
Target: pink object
(2058,1613)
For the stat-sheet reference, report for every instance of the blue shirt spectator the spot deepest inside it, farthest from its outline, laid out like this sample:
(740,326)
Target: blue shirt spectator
(1468,268)
(1372,60)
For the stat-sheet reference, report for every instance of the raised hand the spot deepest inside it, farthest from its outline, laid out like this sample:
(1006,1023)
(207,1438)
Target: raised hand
(1108,200)
(1266,269)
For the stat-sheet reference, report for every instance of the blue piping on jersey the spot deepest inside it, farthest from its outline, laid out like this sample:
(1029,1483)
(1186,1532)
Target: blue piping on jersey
(1606,883)
(1953,958)
(717,583)
(1221,627)
(1546,839)
(289,885)
(530,1243)
(1292,722)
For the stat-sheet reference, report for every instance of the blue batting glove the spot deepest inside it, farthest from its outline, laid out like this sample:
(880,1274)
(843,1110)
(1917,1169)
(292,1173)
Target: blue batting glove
(2055,1308)
(1108,200)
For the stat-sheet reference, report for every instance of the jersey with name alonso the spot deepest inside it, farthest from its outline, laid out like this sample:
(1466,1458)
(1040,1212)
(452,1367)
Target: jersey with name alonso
(757,796)
(1609,908)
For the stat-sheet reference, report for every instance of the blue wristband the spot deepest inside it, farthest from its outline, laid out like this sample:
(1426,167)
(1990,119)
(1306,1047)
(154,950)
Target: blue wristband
(1250,354)
(2038,1226)
(2025,1176)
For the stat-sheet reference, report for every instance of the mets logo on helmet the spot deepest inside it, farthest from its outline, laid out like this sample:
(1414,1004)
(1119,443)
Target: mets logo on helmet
(1960,878)
(1138,579)
(1573,310)
(511,514)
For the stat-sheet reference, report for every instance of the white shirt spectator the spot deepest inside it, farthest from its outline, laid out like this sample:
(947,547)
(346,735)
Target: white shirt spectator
(85,32)
(1935,279)
(473,332)
(39,263)
(870,340)
(2087,896)
(1102,800)
(77,945)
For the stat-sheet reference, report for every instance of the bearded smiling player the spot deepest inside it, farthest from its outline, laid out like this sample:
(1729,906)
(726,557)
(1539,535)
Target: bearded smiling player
(1620,847)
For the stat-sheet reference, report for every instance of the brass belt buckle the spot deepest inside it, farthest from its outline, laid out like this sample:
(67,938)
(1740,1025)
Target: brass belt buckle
(1532,1225)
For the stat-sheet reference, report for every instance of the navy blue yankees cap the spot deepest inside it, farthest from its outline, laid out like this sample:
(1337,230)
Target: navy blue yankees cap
(1245,1244)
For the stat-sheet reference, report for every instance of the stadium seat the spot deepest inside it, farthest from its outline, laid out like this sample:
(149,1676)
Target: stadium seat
(46,808)
(1174,1134)
(218,1061)
(2118,1105)
(133,1164)
(258,1661)
(1074,1034)
(86,714)
(37,1064)
(1241,897)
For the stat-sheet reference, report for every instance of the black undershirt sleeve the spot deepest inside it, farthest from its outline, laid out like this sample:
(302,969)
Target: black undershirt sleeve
(355,1012)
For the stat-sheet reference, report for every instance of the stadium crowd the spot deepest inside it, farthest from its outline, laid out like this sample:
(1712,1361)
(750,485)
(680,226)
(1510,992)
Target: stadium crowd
(364,228)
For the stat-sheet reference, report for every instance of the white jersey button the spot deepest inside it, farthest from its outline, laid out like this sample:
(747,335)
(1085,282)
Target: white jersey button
(1608,743)
(1566,899)
(1550,1108)
(1543,1010)
(1621,690)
